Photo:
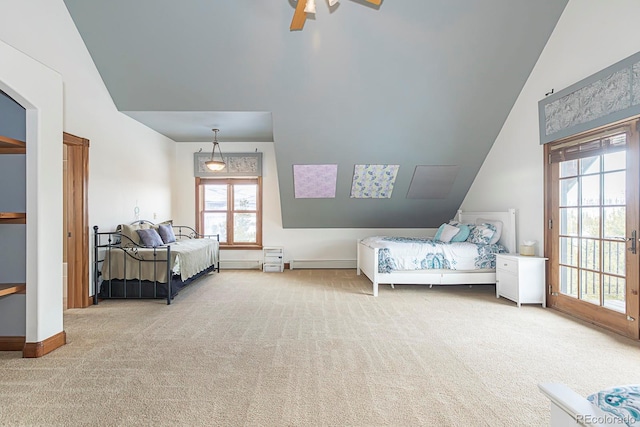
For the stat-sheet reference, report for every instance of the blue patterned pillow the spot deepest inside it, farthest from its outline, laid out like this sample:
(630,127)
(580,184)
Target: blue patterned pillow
(482,234)
(150,238)
(623,402)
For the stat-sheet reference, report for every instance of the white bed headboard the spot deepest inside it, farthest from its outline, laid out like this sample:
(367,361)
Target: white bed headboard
(508,236)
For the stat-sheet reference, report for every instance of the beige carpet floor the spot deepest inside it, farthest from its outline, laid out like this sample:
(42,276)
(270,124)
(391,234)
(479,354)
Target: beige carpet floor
(311,348)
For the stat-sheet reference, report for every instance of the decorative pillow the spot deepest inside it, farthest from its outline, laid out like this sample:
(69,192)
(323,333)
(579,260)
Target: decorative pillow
(150,238)
(496,223)
(623,402)
(439,232)
(130,231)
(448,232)
(463,235)
(482,234)
(166,233)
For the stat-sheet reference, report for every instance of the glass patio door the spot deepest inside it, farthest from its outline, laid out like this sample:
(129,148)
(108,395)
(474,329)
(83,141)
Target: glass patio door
(593,228)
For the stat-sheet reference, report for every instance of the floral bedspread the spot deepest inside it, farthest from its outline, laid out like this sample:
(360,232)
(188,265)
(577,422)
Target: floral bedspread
(412,253)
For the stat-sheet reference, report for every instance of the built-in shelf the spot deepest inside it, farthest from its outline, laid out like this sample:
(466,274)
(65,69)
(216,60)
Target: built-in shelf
(13,218)
(12,288)
(12,146)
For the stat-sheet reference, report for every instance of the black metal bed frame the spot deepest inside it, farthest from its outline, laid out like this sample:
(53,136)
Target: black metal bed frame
(116,241)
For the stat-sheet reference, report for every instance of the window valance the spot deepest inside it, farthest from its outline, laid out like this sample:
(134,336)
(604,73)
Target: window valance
(606,97)
(238,164)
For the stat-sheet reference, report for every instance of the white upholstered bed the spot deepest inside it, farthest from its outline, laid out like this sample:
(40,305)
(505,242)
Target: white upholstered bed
(368,259)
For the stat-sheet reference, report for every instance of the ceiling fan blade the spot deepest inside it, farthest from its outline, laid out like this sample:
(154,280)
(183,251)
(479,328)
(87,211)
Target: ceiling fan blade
(376,2)
(299,16)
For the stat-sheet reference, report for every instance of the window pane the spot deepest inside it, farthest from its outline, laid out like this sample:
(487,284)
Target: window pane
(215,197)
(590,287)
(216,223)
(569,168)
(569,222)
(614,220)
(569,251)
(614,188)
(569,192)
(613,289)
(244,197)
(244,228)
(590,254)
(590,165)
(614,257)
(569,281)
(615,161)
(590,187)
(590,226)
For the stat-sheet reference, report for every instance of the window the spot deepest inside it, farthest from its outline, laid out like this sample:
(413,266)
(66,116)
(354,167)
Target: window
(232,208)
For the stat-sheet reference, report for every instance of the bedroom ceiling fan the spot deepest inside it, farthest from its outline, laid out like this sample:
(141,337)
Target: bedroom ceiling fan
(309,6)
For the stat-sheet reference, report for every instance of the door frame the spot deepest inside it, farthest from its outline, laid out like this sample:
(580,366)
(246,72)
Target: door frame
(78,223)
(623,323)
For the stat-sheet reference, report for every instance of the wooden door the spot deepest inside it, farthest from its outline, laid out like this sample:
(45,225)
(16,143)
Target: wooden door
(77,244)
(592,237)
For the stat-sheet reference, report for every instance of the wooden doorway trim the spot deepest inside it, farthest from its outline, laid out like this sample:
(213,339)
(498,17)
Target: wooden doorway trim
(77,221)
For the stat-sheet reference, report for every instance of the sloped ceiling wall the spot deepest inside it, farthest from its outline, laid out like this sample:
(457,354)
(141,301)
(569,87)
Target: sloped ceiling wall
(413,82)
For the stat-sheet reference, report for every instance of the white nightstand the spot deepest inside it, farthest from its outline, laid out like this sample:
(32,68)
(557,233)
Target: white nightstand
(273,259)
(521,278)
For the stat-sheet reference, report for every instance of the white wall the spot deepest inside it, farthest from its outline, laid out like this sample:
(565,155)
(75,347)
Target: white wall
(299,244)
(128,161)
(129,164)
(591,35)
(39,90)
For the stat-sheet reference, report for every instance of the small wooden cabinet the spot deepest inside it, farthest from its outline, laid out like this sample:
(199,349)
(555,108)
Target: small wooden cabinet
(273,259)
(521,279)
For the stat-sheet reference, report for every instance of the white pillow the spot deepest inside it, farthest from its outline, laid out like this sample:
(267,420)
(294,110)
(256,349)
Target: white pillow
(448,233)
(497,224)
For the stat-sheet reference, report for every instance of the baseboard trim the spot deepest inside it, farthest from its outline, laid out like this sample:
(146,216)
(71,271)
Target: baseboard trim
(322,263)
(39,349)
(12,343)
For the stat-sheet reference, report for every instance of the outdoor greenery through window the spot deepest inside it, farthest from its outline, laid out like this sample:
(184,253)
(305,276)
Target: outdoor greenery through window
(231,208)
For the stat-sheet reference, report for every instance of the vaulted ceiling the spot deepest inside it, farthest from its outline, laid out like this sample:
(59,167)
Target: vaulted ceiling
(409,82)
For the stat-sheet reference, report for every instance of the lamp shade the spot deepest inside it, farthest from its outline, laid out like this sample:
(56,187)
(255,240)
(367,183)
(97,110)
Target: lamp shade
(213,164)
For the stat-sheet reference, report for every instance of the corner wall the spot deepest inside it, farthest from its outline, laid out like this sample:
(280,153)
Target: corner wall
(129,164)
(39,90)
(590,35)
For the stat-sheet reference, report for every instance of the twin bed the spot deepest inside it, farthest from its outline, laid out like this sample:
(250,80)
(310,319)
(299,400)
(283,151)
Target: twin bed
(435,263)
(128,264)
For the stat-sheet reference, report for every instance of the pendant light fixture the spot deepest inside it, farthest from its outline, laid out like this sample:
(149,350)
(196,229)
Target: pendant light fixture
(213,164)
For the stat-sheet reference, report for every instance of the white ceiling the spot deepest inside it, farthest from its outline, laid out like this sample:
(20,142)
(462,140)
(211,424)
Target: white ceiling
(413,82)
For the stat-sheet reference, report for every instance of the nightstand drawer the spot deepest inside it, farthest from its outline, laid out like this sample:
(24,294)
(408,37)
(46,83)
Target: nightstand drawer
(507,264)
(272,259)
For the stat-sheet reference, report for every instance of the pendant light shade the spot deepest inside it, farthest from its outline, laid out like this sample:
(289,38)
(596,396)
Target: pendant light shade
(213,164)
